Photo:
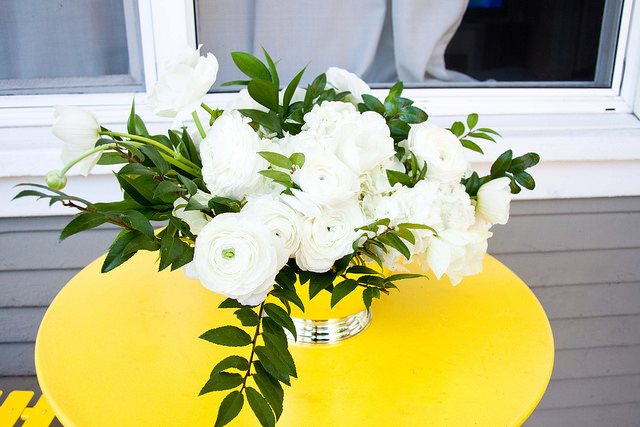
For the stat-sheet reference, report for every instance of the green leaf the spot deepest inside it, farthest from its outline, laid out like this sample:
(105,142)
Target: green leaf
(167,187)
(269,120)
(156,158)
(277,176)
(107,158)
(269,387)
(272,68)
(297,159)
(247,316)
(399,129)
(139,222)
(265,93)
(235,362)
(172,249)
(320,281)
(402,276)
(135,125)
(362,269)
(136,169)
(411,114)
(371,280)
(523,162)
(341,290)
(291,89)
(136,189)
(472,120)
(117,252)
(236,82)
(276,159)
(471,146)
(275,339)
(251,66)
(273,364)
(260,407)
(81,222)
(487,130)
(231,336)
(502,163)
(221,381)
(230,303)
(395,242)
(525,180)
(406,235)
(281,317)
(457,129)
(373,103)
(482,136)
(229,408)
(192,187)
(289,295)
(367,297)
(395,177)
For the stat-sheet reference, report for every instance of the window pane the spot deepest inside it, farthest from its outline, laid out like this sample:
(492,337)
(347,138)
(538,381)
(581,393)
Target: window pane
(69,46)
(422,42)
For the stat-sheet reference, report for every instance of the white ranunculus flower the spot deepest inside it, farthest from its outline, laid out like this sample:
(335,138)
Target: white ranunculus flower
(375,180)
(457,210)
(194,218)
(182,84)
(325,120)
(328,236)
(326,179)
(230,164)
(344,80)
(441,150)
(237,256)
(285,222)
(79,129)
(456,253)
(364,142)
(494,199)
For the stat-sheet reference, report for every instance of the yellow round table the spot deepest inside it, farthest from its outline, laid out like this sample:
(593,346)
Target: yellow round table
(122,349)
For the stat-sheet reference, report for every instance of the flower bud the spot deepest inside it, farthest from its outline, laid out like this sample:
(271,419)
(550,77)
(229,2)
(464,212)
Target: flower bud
(56,180)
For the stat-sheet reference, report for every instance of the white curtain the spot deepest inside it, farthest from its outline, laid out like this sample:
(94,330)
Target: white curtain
(380,40)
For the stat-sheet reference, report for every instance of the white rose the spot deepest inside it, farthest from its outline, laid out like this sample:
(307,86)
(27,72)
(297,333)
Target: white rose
(238,257)
(326,179)
(441,150)
(281,219)
(344,80)
(329,236)
(364,142)
(494,199)
(230,164)
(79,130)
(194,218)
(182,84)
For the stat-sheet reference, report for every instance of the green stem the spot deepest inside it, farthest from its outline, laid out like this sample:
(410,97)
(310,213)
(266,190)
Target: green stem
(198,124)
(207,108)
(86,154)
(174,158)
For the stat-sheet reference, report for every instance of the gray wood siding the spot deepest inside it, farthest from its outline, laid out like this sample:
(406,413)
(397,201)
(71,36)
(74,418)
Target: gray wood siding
(580,257)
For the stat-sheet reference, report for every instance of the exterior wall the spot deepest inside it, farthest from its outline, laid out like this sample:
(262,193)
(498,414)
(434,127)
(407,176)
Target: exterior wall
(581,257)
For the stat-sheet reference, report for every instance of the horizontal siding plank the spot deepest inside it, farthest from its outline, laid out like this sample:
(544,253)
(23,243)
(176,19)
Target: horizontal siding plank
(591,391)
(572,268)
(590,300)
(17,359)
(621,415)
(575,206)
(596,362)
(20,324)
(32,288)
(41,250)
(596,331)
(554,233)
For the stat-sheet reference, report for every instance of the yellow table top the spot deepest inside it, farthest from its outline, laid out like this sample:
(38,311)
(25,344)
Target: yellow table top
(122,349)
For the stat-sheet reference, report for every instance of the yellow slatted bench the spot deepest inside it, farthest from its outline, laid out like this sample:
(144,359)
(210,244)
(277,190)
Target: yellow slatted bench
(15,408)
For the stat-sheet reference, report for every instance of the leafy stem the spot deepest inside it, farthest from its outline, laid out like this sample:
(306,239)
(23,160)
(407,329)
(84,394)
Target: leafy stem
(254,342)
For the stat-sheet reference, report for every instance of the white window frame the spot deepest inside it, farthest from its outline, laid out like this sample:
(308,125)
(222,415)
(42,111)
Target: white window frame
(588,138)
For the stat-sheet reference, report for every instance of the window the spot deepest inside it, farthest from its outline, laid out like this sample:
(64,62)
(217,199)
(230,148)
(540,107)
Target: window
(477,43)
(69,46)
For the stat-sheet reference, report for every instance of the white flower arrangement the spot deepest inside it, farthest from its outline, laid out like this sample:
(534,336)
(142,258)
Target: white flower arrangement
(287,187)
